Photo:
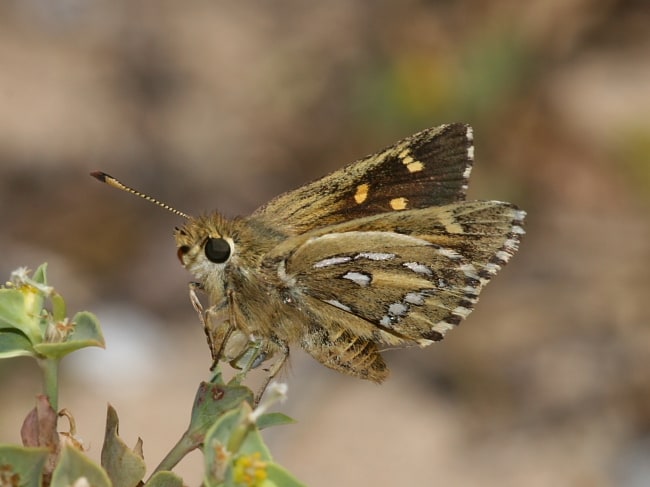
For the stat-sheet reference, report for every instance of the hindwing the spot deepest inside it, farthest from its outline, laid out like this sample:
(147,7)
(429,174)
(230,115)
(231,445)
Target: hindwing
(412,275)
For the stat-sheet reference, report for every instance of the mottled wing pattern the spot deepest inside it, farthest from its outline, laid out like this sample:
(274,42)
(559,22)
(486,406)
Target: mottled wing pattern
(409,276)
(430,168)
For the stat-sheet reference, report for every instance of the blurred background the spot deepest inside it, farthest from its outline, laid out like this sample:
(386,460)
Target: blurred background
(210,105)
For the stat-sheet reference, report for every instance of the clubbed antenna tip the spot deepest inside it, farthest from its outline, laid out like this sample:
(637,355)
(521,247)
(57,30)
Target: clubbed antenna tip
(100,175)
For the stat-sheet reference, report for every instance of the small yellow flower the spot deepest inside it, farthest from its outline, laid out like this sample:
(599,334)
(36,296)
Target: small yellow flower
(250,470)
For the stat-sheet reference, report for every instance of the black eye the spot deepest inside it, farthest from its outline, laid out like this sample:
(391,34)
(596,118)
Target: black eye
(217,250)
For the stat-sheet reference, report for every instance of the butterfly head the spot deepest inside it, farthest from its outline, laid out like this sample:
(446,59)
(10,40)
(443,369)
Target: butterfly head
(205,246)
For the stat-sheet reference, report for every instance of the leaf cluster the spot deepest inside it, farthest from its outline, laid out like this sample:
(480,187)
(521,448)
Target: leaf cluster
(223,423)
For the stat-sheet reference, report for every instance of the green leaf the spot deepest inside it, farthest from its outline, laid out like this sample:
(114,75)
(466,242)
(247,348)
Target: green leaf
(223,463)
(218,460)
(20,310)
(280,477)
(212,400)
(23,462)
(124,466)
(86,333)
(218,451)
(254,443)
(40,274)
(74,465)
(273,419)
(58,306)
(164,479)
(223,469)
(14,344)
(87,328)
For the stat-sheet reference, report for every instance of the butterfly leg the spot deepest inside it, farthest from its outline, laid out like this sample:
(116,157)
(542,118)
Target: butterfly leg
(228,343)
(198,307)
(283,351)
(210,318)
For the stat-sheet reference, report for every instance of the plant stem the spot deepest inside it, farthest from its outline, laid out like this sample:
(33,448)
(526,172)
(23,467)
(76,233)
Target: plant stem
(50,368)
(180,449)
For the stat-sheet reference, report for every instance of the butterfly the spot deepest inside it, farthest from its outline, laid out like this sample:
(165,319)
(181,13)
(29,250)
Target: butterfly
(385,252)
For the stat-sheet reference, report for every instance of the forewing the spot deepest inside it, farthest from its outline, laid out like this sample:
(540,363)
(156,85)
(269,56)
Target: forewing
(429,168)
(412,275)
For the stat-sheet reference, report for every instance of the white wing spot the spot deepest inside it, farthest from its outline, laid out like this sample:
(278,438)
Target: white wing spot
(358,278)
(469,270)
(511,244)
(443,327)
(492,268)
(374,256)
(468,169)
(471,290)
(414,298)
(338,304)
(398,309)
(501,255)
(470,156)
(461,311)
(470,134)
(331,261)
(450,254)
(418,268)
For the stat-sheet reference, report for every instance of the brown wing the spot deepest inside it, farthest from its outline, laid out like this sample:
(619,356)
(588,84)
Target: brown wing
(429,168)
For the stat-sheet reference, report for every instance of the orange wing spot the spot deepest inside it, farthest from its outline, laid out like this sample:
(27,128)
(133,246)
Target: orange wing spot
(411,164)
(414,166)
(399,203)
(362,193)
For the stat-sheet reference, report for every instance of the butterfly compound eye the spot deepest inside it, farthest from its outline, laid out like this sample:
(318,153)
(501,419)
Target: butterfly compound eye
(217,250)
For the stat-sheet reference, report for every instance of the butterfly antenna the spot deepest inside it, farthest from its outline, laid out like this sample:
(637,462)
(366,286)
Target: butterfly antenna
(111,181)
